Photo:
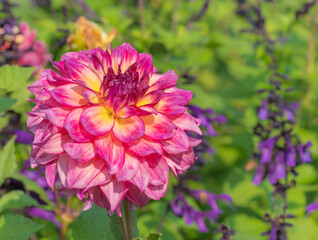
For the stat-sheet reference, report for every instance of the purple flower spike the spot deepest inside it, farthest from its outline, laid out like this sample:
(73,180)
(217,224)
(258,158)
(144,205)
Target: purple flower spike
(263,111)
(312,207)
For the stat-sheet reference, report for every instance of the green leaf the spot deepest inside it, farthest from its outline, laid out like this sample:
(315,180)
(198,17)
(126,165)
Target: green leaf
(151,236)
(6,102)
(13,77)
(115,227)
(17,227)
(7,160)
(17,200)
(92,224)
(30,185)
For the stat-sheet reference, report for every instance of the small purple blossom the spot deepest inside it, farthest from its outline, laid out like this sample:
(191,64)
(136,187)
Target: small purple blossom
(23,137)
(313,207)
(180,207)
(43,214)
(263,111)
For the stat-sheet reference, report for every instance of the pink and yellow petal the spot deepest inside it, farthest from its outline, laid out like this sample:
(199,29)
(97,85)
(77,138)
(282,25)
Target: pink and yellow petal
(97,120)
(128,129)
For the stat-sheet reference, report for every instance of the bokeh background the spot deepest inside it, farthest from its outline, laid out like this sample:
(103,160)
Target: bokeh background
(209,45)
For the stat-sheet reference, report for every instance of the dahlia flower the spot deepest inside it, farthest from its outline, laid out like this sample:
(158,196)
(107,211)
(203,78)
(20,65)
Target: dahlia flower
(108,127)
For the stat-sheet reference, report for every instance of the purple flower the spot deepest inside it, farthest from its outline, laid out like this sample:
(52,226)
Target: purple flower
(266,148)
(263,111)
(23,137)
(304,153)
(180,207)
(290,154)
(280,168)
(44,214)
(312,207)
(259,174)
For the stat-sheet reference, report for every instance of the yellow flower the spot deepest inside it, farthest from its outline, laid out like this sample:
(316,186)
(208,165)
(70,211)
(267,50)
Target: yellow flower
(88,35)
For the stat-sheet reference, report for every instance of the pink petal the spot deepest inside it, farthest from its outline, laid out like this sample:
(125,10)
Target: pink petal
(81,152)
(40,157)
(129,129)
(83,74)
(45,98)
(96,196)
(158,126)
(101,178)
(171,104)
(90,96)
(82,174)
(97,120)
(35,117)
(134,195)
(54,144)
(144,146)
(150,98)
(37,87)
(44,131)
(114,192)
(124,55)
(156,191)
(186,94)
(145,65)
(112,150)
(180,162)
(177,144)
(186,122)
(50,174)
(194,142)
(161,81)
(64,163)
(142,176)
(159,170)
(129,169)
(57,115)
(129,56)
(69,95)
(75,128)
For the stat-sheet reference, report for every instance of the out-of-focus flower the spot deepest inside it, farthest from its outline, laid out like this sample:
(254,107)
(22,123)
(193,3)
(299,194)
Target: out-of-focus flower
(88,35)
(312,207)
(23,137)
(182,208)
(208,118)
(226,232)
(109,127)
(19,47)
(179,205)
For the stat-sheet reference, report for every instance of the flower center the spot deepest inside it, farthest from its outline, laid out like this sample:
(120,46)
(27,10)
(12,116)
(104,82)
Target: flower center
(120,89)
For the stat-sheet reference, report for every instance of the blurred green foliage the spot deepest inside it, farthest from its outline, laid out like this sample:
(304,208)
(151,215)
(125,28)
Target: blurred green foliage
(228,68)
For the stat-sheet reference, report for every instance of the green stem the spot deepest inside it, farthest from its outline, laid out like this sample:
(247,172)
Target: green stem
(128,220)
(163,219)
(123,229)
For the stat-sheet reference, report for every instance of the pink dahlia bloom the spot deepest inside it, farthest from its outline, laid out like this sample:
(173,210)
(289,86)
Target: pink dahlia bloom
(109,128)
